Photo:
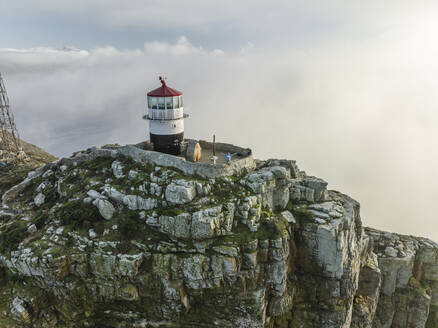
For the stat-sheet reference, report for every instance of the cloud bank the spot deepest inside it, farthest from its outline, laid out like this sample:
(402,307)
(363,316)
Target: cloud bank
(352,99)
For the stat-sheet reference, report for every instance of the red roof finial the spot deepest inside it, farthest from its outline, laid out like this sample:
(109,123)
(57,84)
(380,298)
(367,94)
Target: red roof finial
(162,80)
(164,90)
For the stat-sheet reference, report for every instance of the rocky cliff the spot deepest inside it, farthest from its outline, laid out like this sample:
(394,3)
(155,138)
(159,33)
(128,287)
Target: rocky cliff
(122,237)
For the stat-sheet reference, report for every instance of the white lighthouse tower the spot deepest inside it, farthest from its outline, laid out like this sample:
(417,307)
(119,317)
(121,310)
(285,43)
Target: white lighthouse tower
(166,119)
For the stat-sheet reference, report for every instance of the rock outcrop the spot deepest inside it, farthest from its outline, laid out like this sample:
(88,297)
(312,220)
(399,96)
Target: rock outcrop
(127,238)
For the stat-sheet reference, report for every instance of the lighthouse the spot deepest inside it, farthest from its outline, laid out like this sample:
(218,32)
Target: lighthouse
(165,113)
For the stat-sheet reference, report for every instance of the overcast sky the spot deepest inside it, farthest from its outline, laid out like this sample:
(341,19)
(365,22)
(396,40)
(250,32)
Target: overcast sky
(346,88)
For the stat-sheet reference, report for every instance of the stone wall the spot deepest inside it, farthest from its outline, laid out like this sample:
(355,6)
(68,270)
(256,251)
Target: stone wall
(236,167)
(226,148)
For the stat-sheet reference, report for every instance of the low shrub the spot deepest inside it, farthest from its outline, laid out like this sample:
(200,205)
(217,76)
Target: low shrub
(11,235)
(129,227)
(78,214)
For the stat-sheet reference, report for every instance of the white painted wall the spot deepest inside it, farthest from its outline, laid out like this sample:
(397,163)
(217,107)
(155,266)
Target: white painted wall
(166,127)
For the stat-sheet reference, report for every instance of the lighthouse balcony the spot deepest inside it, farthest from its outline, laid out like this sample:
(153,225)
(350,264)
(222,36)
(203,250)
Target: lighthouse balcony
(165,114)
(147,117)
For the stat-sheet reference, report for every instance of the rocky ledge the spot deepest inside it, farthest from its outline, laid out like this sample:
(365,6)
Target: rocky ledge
(108,239)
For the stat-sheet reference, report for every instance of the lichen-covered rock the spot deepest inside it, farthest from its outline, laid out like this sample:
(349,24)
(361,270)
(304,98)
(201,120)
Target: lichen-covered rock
(132,238)
(32,228)
(210,222)
(106,209)
(180,193)
(39,199)
(272,183)
(94,194)
(117,168)
(408,280)
(135,202)
(20,311)
(177,226)
(367,295)
(113,193)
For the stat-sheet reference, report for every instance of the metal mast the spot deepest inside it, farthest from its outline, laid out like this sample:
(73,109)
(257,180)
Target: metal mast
(10,139)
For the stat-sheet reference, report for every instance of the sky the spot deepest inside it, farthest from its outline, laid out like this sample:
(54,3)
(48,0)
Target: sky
(348,89)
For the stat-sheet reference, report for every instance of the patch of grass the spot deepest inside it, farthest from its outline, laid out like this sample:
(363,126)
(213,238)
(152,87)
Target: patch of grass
(266,212)
(126,161)
(29,191)
(40,219)
(97,164)
(78,214)
(170,211)
(242,235)
(74,190)
(5,218)
(51,196)
(129,227)
(223,191)
(72,179)
(420,288)
(11,235)
(269,230)
(12,176)
(129,164)
(4,276)
(99,227)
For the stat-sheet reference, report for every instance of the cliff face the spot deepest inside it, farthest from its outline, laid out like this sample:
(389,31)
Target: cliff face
(113,238)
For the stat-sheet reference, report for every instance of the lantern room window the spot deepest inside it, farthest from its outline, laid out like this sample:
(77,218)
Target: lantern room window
(169,102)
(152,102)
(165,102)
(161,103)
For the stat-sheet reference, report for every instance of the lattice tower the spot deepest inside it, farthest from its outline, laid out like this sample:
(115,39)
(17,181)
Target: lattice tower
(10,144)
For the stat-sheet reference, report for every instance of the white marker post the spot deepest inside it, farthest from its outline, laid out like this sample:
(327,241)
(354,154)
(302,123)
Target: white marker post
(214,158)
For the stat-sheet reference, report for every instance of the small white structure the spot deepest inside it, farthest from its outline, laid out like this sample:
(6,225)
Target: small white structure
(165,113)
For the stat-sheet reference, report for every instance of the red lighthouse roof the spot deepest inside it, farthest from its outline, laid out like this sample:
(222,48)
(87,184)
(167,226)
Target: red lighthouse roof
(164,91)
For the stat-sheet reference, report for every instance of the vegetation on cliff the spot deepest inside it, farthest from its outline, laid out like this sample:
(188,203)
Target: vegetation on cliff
(106,239)
(17,170)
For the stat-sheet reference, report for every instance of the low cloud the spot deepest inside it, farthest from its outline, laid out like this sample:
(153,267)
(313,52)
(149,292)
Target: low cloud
(182,47)
(361,114)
